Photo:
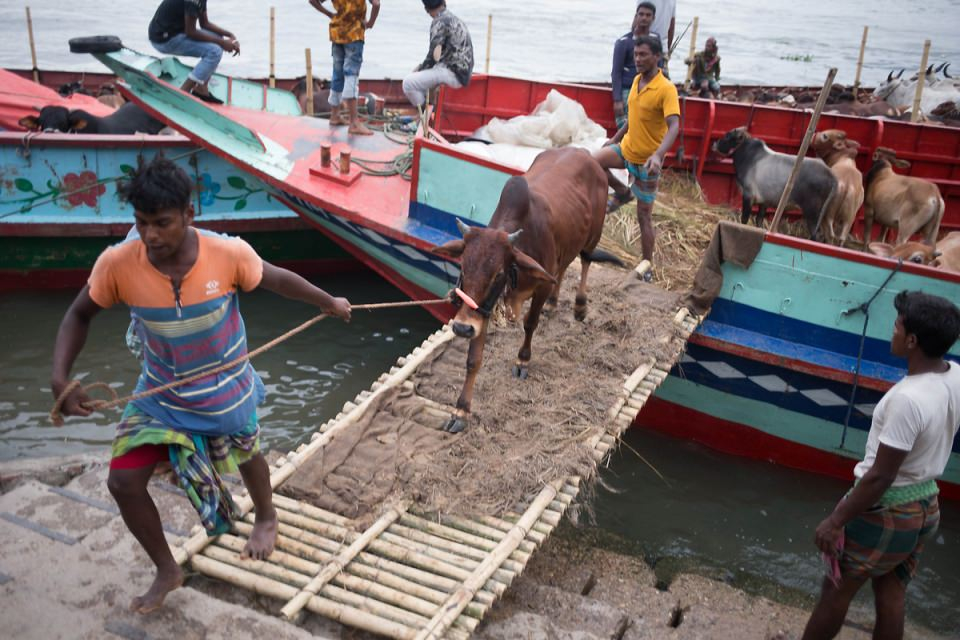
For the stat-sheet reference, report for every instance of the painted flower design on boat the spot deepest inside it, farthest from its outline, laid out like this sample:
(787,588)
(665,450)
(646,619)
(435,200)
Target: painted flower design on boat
(208,189)
(84,188)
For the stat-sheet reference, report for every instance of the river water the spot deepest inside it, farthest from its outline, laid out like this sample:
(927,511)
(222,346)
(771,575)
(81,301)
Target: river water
(773,42)
(747,522)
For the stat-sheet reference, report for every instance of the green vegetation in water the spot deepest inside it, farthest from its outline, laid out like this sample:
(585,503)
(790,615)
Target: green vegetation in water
(797,57)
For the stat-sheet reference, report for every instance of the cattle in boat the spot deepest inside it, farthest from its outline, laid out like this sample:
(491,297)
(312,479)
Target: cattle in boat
(910,205)
(840,153)
(945,255)
(545,218)
(762,176)
(127,119)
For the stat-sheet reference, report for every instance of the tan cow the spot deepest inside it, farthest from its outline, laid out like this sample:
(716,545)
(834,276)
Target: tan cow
(840,153)
(911,205)
(946,255)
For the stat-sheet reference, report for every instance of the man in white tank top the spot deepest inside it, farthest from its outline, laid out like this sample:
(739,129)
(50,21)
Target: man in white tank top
(878,530)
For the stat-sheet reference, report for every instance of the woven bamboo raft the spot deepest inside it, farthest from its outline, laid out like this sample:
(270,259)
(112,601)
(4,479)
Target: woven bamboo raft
(409,575)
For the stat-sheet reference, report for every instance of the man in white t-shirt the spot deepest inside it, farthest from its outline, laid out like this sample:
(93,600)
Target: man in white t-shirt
(879,529)
(664,22)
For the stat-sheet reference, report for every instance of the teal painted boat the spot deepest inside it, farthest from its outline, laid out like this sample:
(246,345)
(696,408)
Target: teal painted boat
(778,369)
(59,210)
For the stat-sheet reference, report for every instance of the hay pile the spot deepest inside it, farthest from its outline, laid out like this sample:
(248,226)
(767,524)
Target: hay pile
(684,222)
(522,433)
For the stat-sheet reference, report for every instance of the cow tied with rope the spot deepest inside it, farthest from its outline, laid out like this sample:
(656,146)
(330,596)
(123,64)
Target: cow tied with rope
(545,218)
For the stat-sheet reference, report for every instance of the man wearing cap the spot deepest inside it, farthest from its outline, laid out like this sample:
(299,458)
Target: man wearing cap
(449,60)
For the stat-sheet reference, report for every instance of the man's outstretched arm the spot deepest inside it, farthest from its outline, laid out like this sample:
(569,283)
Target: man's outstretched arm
(290,285)
(71,337)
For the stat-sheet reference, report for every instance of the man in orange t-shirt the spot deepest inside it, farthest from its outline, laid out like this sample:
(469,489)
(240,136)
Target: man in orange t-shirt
(347,27)
(641,144)
(182,286)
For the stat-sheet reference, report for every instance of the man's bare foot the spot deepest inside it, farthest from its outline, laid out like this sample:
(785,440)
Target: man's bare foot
(336,120)
(359,129)
(166,581)
(262,538)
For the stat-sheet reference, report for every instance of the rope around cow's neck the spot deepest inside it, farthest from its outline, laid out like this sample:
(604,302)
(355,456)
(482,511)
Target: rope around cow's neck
(56,417)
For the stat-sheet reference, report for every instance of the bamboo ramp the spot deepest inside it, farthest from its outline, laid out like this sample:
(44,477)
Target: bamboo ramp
(409,575)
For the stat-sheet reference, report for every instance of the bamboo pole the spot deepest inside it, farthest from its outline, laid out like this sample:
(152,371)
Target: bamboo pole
(292,462)
(814,119)
(309,81)
(341,560)
(915,114)
(863,47)
(486,66)
(275,589)
(449,612)
(693,52)
(33,47)
(273,50)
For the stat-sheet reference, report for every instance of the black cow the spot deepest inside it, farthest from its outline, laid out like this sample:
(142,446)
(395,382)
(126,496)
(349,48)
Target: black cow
(762,175)
(127,119)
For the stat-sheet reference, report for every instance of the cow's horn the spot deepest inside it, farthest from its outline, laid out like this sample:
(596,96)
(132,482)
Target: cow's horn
(463,227)
(945,74)
(901,73)
(512,237)
(929,70)
(890,76)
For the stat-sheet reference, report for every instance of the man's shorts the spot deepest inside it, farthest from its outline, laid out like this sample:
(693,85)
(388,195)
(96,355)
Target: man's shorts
(885,539)
(643,186)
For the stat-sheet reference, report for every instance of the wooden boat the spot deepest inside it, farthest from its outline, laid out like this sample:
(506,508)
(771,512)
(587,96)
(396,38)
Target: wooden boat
(778,354)
(58,208)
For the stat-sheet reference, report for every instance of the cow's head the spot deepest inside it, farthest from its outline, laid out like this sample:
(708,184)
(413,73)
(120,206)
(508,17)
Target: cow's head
(54,119)
(889,156)
(490,265)
(886,88)
(835,141)
(916,252)
(731,141)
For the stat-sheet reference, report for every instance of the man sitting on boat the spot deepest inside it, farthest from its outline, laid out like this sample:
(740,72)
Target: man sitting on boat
(879,529)
(641,144)
(174,31)
(449,60)
(182,287)
(624,68)
(706,70)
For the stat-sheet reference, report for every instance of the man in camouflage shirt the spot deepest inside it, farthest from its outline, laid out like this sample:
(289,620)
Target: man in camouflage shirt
(449,60)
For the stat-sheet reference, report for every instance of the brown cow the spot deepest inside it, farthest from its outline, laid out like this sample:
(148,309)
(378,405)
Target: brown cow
(912,205)
(545,219)
(840,153)
(946,255)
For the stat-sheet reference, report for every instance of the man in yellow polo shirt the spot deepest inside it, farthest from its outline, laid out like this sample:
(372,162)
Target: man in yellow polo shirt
(641,144)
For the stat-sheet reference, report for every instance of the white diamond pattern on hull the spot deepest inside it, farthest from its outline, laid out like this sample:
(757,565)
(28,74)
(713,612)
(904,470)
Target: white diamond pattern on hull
(824,397)
(410,252)
(772,383)
(866,409)
(722,370)
(373,235)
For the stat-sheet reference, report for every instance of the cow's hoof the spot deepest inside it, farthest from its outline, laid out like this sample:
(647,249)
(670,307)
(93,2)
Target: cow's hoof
(580,313)
(520,371)
(455,425)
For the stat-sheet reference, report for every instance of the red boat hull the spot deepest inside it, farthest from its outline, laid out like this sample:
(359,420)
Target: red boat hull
(934,151)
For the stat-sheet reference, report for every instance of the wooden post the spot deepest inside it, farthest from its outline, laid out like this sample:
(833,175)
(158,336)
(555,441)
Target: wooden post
(863,47)
(915,114)
(273,41)
(693,52)
(814,119)
(309,81)
(486,66)
(33,48)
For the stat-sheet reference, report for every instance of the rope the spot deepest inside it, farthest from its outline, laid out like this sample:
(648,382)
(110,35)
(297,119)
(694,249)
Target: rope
(56,417)
(865,310)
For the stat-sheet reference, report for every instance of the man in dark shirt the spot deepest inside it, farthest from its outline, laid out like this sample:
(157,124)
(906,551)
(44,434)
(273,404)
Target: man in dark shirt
(181,27)
(449,60)
(624,69)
